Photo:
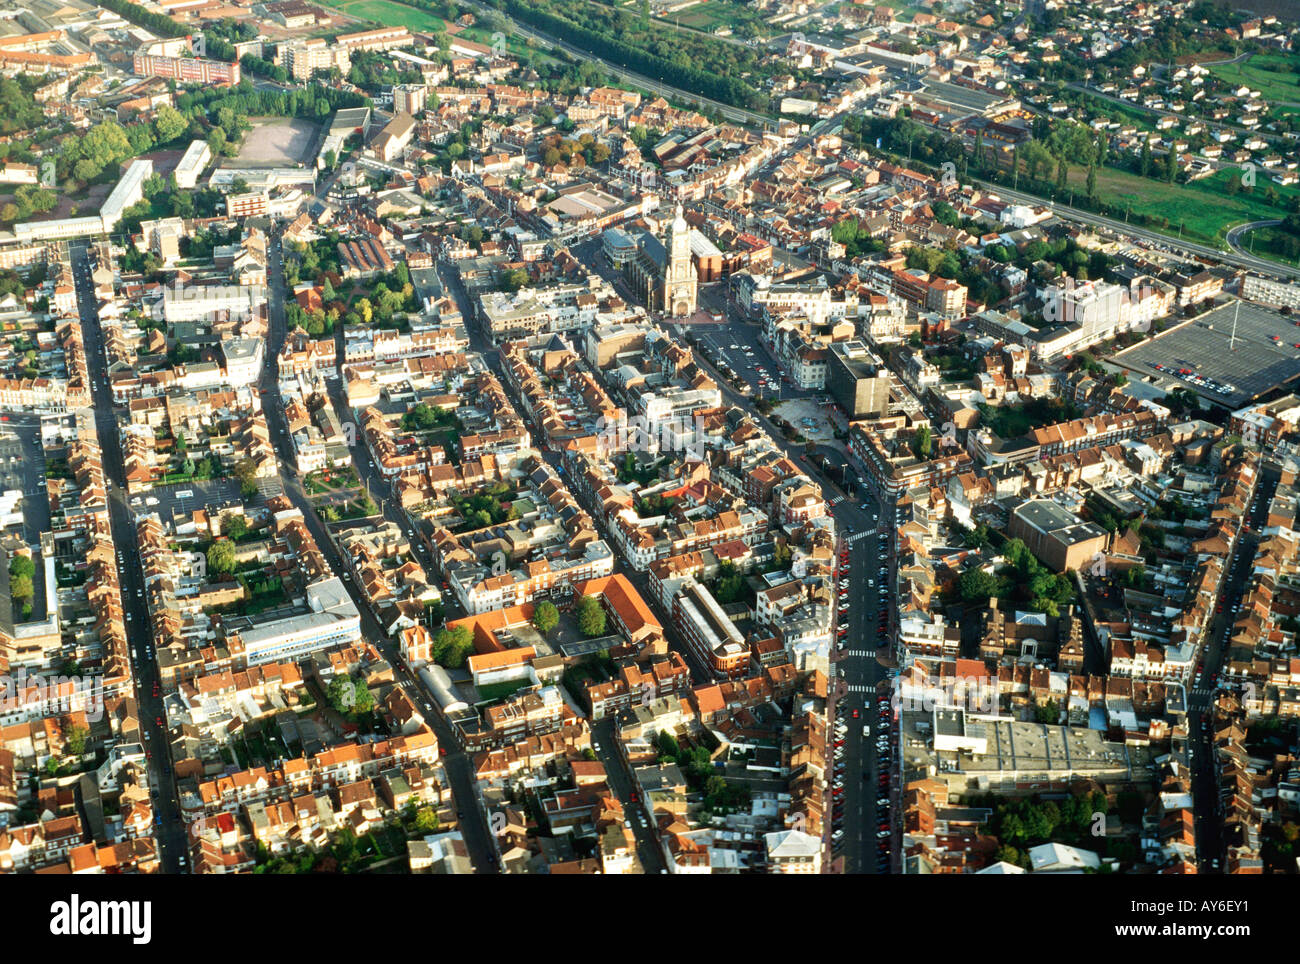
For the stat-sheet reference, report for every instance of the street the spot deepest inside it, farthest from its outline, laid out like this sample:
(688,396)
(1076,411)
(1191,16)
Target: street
(170,830)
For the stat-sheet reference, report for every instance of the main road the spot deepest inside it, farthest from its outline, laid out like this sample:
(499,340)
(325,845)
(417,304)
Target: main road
(640,80)
(1188,248)
(169,827)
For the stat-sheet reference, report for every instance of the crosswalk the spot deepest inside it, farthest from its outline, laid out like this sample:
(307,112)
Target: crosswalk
(863,653)
(861,688)
(835,501)
(859,536)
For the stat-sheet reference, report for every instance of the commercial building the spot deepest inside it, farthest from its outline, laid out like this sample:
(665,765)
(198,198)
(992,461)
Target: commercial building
(247,205)
(1267,291)
(394,138)
(793,852)
(1055,535)
(976,752)
(857,379)
(708,631)
(330,621)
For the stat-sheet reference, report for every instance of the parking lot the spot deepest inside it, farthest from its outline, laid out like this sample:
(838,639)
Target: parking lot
(170,499)
(736,344)
(1252,362)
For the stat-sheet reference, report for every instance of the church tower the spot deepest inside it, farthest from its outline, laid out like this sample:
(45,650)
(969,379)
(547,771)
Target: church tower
(680,278)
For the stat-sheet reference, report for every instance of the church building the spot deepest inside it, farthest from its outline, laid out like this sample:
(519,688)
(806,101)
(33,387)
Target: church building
(662,273)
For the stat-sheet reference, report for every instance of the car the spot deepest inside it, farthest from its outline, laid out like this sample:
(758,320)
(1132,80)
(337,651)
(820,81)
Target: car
(881,834)
(159,721)
(882,801)
(856,713)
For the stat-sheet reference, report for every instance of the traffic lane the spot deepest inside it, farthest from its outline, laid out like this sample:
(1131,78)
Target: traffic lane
(860,771)
(169,834)
(603,733)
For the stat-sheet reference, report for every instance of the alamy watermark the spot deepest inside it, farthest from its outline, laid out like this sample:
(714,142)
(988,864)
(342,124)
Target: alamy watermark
(238,302)
(621,433)
(52,695)
(974,694)
(1059,305)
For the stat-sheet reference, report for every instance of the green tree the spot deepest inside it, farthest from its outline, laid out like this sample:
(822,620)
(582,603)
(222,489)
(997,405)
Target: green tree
(169,124)
(21,590)
(452,646)
(245,472)
(545,617)
(75,738)
(426,821)
(221,556)
(591,617)
(976,585)
(922,442)
(236,526)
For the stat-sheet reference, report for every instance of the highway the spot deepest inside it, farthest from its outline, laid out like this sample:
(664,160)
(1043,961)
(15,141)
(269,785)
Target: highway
(1187,248)
(640,80)
(1234,234)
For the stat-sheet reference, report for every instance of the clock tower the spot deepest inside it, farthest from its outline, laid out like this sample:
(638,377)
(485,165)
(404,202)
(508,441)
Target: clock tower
(680,279)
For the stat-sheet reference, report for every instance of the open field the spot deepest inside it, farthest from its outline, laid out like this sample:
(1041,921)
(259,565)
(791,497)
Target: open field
(277,141)
(1203,209)
(1282,84)
(712,14)
(389,13)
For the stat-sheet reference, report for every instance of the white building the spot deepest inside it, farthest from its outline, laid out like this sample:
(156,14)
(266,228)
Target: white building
(192,163)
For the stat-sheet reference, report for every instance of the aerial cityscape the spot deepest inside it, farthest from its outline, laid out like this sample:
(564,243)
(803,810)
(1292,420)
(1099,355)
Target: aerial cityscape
(650,437)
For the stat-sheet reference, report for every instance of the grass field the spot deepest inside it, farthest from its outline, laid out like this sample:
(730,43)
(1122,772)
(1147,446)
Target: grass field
(1202,208)
(712,14)
(388,13)
(1273,85)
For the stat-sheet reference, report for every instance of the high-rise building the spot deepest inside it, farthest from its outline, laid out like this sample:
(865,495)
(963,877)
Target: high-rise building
(302,58)
(409,98)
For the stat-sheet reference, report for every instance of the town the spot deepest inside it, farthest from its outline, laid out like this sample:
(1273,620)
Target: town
(458,438)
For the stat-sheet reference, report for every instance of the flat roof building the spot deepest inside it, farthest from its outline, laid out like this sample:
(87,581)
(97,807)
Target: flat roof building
(857,379)
(1055,535)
